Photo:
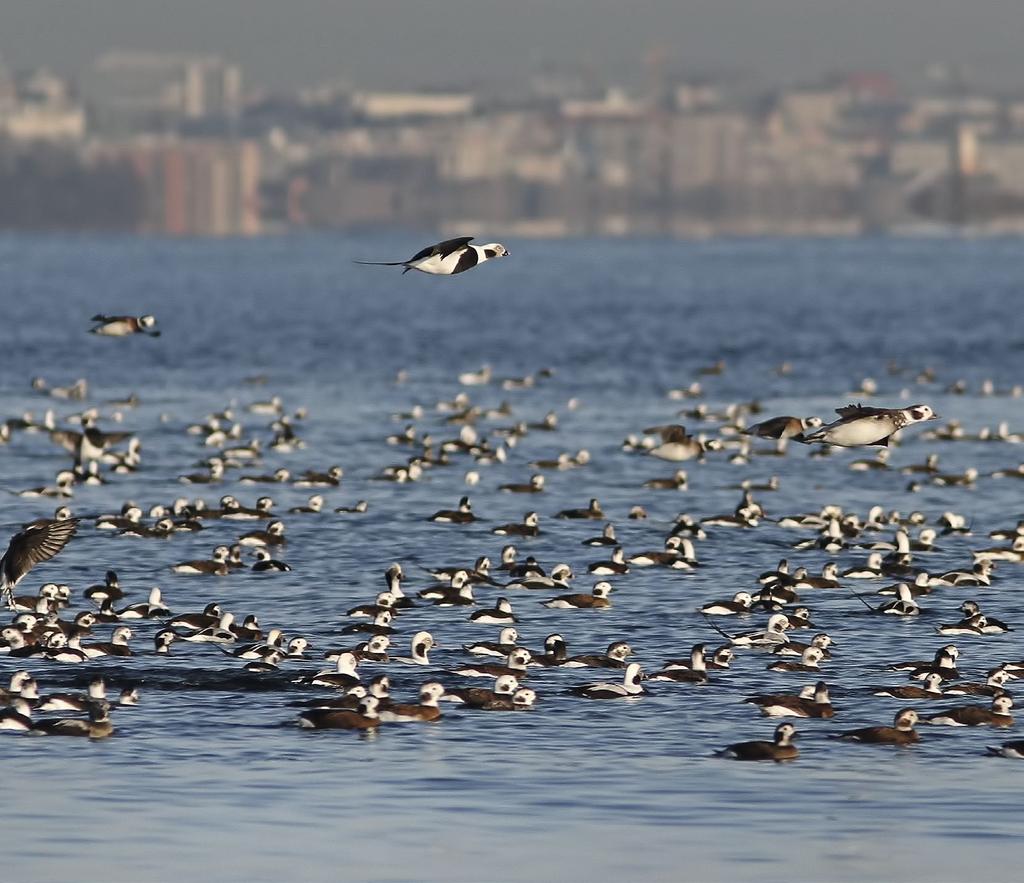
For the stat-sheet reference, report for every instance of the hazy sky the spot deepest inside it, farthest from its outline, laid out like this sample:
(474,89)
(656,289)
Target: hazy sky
(387,43)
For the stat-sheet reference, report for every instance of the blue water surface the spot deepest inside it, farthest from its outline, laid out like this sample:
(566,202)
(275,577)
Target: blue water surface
(208,778)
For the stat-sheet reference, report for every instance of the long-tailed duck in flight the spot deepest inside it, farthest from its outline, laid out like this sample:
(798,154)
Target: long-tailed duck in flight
(122,326)
(859,425)
(447,258)
(39,542)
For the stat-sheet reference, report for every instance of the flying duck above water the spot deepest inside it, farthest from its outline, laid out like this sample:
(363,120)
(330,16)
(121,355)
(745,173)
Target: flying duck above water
(860,426)
(90,444)
(447,258)
(37,543)
(122,326)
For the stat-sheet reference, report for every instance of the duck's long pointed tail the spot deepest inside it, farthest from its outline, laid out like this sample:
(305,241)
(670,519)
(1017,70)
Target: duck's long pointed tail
(713,625)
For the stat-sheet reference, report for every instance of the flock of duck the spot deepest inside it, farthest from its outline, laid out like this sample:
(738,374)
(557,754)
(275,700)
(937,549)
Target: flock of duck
(771,624)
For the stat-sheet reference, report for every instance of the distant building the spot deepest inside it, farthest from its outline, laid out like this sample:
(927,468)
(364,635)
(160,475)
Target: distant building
(34,122)
(359,192)
(615,104)
(696,96)
(52,185)
(932,115)
(39,108)
(132,92)
(707,150)
(195,187)
(384,106)
(811,114)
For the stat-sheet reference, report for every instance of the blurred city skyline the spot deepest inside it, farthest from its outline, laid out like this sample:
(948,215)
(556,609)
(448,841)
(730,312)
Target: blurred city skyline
(575,118)
(485,44)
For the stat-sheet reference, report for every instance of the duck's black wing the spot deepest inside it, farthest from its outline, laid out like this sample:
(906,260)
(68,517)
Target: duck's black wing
(854,411)
(670,433)
(31,547)
(771,428)
(442,249)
